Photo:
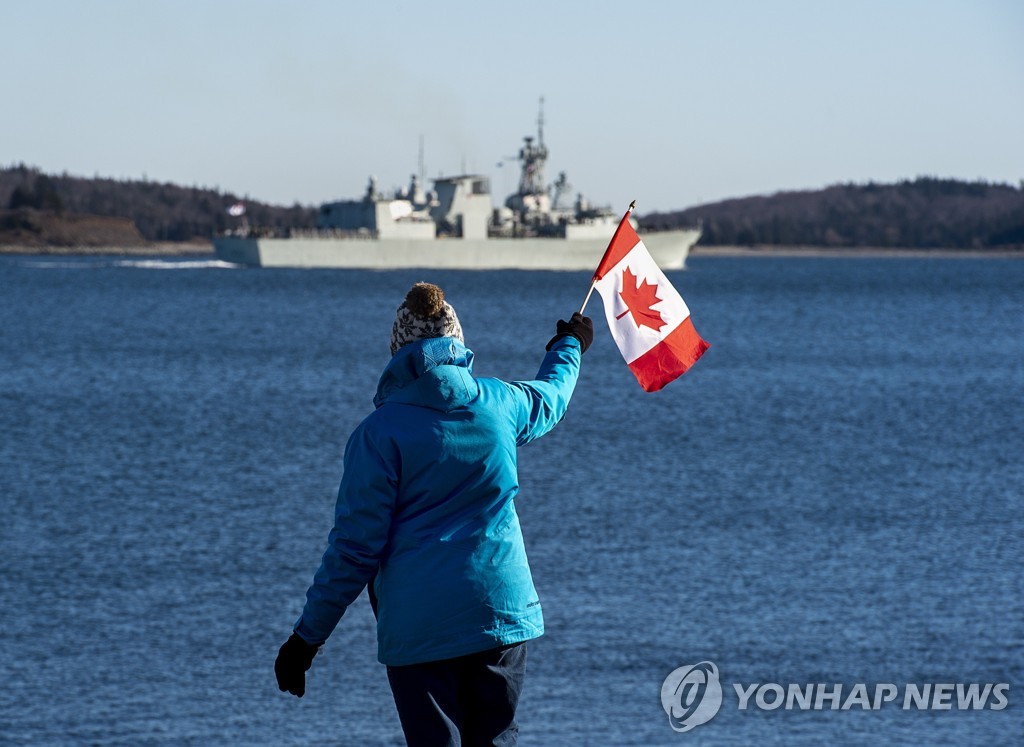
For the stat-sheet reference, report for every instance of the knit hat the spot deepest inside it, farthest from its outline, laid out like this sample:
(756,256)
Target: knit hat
(424,314)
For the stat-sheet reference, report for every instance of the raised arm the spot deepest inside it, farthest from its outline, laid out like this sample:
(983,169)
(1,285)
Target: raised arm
(543,401)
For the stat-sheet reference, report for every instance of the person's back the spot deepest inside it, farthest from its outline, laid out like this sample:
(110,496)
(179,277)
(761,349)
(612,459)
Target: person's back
(426,514)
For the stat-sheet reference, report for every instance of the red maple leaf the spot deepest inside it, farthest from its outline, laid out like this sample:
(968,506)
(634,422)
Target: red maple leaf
(639,297)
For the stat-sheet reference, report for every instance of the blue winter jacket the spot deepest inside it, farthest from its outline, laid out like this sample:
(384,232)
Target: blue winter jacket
(426,509)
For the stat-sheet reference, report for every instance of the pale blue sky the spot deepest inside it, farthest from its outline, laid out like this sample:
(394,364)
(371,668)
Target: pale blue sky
(671,103)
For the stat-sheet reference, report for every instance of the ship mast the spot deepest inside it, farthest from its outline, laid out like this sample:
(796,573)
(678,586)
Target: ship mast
(422,168)
(540,124)
(533,158)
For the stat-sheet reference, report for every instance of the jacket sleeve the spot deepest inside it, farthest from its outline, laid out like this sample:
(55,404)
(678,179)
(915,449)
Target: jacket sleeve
(541,403)
(362,520)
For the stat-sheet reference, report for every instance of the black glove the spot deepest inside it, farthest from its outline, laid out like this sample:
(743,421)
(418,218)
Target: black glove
(578,326)
(293,661)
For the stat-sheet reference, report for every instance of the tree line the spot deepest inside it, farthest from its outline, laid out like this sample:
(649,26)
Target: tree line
(160,211)
(926,212)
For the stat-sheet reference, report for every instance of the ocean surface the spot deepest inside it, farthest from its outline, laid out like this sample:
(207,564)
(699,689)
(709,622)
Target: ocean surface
(832,495)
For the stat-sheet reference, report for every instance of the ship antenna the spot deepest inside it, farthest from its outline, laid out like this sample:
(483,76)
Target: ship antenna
(422,168)
(540,124)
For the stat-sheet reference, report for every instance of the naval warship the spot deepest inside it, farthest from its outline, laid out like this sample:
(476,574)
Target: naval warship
(455,226)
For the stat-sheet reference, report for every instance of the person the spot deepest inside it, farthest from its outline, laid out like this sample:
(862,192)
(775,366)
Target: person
(426,516)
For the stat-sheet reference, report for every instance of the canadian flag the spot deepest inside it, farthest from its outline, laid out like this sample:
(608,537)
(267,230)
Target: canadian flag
(649,320)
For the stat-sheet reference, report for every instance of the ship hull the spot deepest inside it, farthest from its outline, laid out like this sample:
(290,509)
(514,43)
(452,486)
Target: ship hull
(668,248)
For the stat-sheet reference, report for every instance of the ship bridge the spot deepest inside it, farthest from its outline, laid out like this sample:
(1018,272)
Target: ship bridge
(464,203)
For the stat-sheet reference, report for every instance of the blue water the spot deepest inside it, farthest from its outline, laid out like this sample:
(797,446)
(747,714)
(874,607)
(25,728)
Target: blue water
(833,494)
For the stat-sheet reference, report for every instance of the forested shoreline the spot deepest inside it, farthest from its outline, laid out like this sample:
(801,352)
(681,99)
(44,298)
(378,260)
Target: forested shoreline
(44,209)
(925,213)
(40,210)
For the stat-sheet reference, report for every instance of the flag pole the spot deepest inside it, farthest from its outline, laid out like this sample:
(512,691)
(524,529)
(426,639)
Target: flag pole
(593,282)
(589,294)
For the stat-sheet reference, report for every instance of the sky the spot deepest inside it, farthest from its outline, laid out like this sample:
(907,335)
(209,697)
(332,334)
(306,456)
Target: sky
(671,103)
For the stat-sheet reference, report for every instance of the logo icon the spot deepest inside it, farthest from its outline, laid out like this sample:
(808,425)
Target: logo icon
(691,695)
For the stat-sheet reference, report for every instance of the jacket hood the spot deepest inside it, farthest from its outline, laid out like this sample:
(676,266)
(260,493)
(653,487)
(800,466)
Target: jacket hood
(435,373)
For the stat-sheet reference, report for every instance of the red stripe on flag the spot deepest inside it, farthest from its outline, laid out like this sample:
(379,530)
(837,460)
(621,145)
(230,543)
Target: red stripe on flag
(622,243)
(670,358)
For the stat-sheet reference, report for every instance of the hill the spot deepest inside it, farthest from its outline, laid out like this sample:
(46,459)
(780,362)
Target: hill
(924,213)
(158,211)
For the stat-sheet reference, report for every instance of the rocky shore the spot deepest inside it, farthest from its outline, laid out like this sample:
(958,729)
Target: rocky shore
(155,249)
(205,249)
(817,251)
